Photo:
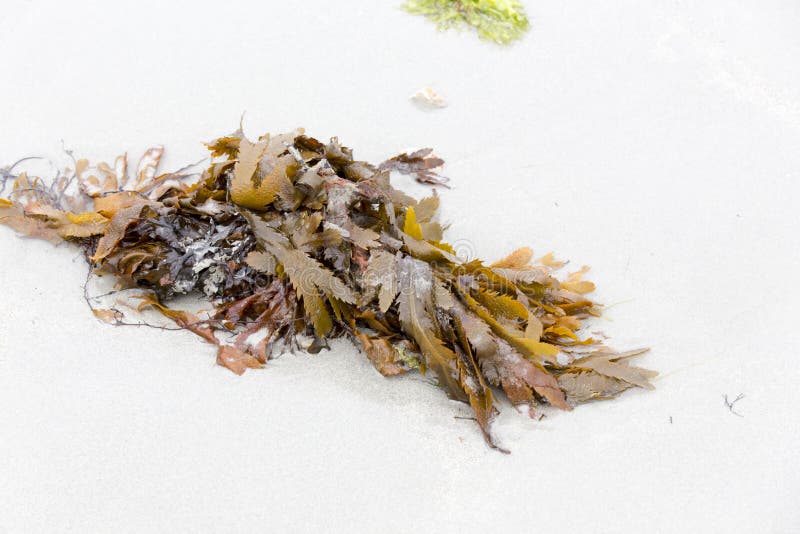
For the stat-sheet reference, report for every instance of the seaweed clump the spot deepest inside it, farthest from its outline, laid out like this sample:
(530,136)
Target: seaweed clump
(499,21)
(295,242)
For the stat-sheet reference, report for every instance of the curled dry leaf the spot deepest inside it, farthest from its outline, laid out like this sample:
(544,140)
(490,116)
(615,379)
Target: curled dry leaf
(386,359)
(107,316)
(236,360)
(421,164)
(292,239)
(518,259)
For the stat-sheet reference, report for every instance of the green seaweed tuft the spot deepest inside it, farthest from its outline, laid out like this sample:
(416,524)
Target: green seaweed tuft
(500,21)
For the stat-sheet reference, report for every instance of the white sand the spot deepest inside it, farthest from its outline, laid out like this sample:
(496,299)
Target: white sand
(657,141)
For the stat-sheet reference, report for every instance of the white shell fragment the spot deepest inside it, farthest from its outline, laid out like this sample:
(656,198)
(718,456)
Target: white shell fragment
(427,99)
